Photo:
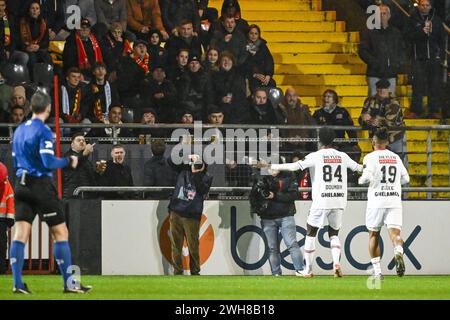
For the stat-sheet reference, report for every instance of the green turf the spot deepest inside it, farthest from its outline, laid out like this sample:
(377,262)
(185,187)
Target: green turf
(235,287)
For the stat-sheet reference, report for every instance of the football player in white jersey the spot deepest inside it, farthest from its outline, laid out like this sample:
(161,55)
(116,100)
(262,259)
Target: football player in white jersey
(385,173)
(328,168)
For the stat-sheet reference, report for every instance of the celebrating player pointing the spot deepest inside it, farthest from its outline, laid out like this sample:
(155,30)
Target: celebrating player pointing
(385,173)
(328,169)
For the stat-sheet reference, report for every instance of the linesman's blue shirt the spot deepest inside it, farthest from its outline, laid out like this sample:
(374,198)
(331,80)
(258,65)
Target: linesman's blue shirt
(33,150)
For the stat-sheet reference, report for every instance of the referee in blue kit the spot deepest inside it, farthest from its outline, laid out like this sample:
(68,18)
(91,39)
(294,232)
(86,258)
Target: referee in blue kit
(35,193)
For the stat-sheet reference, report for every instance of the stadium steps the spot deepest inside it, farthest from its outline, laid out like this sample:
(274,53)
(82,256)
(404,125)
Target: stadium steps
(313,52)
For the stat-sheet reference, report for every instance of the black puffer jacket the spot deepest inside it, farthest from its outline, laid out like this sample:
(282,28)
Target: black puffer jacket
(383,50)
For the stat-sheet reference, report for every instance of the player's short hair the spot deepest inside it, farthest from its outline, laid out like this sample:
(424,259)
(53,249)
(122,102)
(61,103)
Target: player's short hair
(39,102)
(326,136)
(158,147)
(382,134)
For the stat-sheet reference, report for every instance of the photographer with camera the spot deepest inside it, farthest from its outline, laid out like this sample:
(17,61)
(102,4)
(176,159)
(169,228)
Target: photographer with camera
(185,209)
(273,199)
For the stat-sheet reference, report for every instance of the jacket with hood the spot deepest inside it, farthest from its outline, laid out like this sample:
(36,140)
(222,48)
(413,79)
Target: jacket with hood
(158,54)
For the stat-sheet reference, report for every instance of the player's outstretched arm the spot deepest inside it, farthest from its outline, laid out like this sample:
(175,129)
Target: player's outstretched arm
(368,170)
(352,165)
(295,166)
(366,177)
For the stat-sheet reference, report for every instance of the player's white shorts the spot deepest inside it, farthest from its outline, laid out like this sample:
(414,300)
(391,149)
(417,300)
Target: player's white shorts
(378,217)
(316,218)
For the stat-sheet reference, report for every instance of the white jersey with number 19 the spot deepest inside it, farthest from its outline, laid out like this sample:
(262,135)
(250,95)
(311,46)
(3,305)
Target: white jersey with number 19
(386,173)
(328,168)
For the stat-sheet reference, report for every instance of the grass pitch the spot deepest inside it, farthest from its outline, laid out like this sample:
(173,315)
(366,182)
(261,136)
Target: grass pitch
(233,288)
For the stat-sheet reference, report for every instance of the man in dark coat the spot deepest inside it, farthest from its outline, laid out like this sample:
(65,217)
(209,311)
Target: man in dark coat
(84,174)
(228,38)
(117,173)
(82,50)
(261,110)
(161,94)
(132,71)
(426,32)
(383,50)
(195,89)
(185,40)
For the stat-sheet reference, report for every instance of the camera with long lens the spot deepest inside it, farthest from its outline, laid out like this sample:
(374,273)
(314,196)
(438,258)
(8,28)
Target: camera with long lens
(258,196)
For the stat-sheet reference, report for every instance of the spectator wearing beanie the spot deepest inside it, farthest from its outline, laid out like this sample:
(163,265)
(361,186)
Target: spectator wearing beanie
(196,90)
(160,93)
(18,98)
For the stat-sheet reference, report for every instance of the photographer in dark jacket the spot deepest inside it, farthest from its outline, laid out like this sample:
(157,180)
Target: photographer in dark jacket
(279,192)
(186,208)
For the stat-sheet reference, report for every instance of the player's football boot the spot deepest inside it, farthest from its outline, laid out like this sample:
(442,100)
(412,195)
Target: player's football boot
(399,264)
(23,290)
(379,276)
(303,274)
(337,271)
(78,289)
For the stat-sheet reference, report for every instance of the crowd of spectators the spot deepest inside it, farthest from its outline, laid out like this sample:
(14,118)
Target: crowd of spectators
(179,61)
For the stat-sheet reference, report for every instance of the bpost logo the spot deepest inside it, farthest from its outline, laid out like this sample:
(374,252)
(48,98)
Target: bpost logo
(236,234)
(206,242)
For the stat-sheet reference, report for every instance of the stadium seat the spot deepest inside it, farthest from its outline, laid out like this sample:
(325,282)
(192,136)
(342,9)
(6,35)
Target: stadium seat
(43,74)
(275,96)
(16,74)
(128,115)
